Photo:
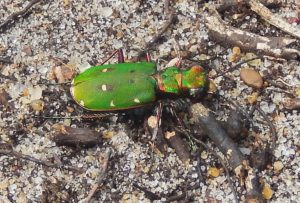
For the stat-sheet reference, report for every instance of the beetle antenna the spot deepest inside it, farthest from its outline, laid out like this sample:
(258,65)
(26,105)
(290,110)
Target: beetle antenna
(61,83)
(83,116)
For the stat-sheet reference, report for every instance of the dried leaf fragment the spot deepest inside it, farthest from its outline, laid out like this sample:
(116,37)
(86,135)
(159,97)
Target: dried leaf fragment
(251,77)
(37,105)
(278,165)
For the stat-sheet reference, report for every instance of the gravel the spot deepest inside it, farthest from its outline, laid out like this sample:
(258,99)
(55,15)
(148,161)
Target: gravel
(82,33)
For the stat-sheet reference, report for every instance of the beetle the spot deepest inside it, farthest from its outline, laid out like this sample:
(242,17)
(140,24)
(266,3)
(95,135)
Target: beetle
(122,86)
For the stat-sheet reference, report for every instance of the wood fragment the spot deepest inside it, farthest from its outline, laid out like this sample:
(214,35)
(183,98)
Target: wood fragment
(226,4)
(8,151)
(75,137)
(234,125)
(181,148)
(230,36)
(217,134)
(273,19)
(13,17)
(148,194)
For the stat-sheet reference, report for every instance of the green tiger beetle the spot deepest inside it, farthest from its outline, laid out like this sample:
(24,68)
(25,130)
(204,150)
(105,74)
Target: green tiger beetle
(122,86)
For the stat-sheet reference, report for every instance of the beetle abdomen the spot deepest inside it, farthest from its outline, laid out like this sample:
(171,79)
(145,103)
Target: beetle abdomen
(115,86)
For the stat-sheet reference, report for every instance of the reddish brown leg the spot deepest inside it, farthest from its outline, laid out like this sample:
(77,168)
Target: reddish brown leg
(148,56)
(178,63)
(159,108)
(120,57)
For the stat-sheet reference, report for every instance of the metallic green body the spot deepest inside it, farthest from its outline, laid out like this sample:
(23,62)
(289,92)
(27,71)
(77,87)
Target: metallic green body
(131,85)
(115,86)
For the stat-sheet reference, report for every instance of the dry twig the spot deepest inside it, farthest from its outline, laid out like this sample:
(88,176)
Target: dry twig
(216,133)
(18,155)
(273,19)
(158,35)
(231,185)
(225,4)
(272,128)
(273,46)
(104,158)
(19,14)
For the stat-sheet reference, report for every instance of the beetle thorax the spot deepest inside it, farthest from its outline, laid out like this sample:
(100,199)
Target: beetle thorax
(175,81)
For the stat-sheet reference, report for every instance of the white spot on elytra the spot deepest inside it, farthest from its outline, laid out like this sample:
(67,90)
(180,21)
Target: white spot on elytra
(136,100)
(81,102)
(104,70)
(112,103)
(104,87)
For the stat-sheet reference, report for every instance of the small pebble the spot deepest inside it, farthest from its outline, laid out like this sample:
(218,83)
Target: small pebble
(251,77)
(267,192)
(213,172)
(37,105)
(278,165)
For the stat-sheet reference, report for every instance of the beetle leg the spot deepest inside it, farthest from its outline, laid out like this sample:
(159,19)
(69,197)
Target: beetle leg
(120,56)
(148,56)
(178,63)
(158,121)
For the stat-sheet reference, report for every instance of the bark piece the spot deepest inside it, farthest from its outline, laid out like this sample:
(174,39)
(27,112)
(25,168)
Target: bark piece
(218,135)
(69,136)
(273,19)
(179,145)
(228,35)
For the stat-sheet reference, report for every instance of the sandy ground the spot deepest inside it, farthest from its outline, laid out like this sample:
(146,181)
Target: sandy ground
(83,33)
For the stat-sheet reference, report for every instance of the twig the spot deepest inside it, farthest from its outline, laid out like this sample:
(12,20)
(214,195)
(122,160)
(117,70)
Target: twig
(218,135)
(273,19)
(18,14)
(180,146)
(150,195)
(69,136)
(225,4)
(272,128)
(228,35)
(220,160)
(271,89)
(102,174)
(236,66)
(10,152)
(158,35)
(177,198)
